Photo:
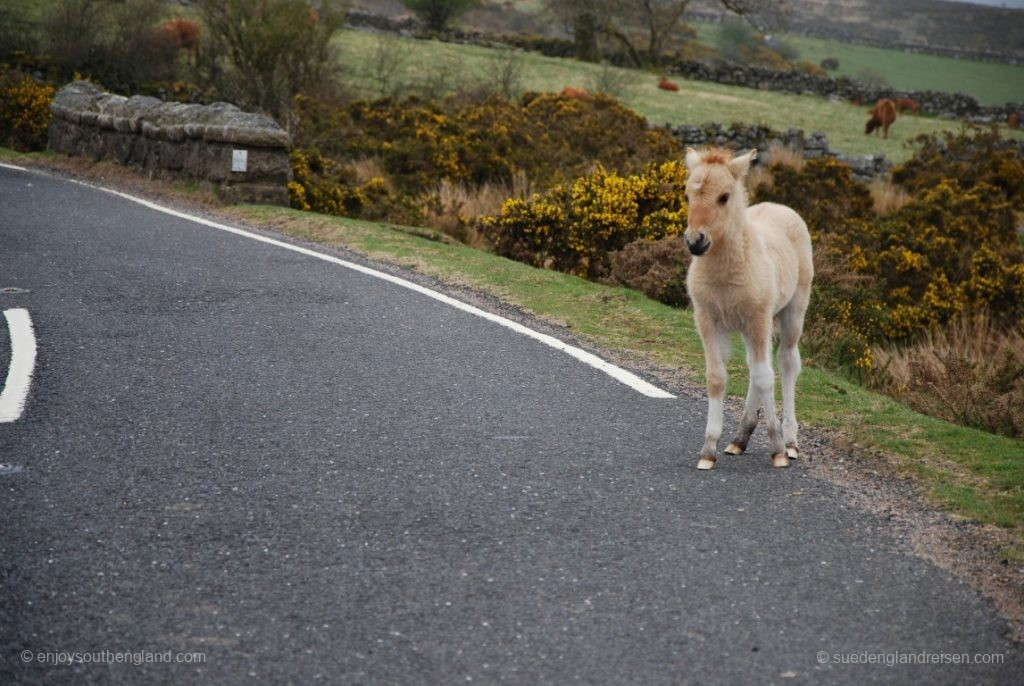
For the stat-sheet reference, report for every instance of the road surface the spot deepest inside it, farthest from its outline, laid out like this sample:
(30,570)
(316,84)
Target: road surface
(269,468)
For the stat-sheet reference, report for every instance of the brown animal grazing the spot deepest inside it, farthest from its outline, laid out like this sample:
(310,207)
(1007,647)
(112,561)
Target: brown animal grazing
(908,105)
(751,266)
(179,34)
(666,85)
(574,93)
(883,115)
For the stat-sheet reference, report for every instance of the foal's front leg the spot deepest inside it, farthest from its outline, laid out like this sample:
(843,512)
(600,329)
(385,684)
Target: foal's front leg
(716,351)
(748,422)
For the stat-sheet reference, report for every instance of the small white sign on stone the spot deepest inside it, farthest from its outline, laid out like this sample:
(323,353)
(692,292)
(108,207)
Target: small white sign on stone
(239,160)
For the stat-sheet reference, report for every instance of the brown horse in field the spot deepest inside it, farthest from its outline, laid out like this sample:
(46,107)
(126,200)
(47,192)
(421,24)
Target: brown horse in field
(574,93)
(179,34)
(882,116)
(666,85)
(908,105)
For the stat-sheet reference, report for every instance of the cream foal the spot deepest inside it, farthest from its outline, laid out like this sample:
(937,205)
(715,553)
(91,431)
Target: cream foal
(751,265)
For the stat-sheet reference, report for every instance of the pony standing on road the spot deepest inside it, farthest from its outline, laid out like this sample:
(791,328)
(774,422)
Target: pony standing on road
(751,265)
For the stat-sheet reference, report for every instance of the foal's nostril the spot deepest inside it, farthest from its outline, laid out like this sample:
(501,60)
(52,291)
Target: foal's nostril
(700,245)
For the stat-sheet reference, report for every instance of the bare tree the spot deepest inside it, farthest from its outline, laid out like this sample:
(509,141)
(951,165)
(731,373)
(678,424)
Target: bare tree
(505,72)
(763,14)
(587,21)
(660,18)
(437,14)
(388,60)
(656,20)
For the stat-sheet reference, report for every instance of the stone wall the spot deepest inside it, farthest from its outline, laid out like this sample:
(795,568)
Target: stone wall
(174,140)
(739,137)
(952,105)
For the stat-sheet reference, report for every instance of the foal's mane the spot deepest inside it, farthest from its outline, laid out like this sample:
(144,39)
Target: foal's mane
(715,155)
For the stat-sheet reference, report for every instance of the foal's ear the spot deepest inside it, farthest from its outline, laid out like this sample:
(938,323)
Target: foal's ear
(739,166)
(693,159)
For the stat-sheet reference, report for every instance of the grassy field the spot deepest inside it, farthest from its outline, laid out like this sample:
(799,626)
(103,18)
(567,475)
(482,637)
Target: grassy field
(970,472)
(697,102)
(990,83)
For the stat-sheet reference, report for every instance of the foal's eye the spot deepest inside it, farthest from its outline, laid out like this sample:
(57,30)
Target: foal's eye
(723,198)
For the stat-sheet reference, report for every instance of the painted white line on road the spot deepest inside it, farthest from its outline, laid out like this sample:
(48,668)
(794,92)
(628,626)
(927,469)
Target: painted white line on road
(617,373)
(23,361)
(12,166)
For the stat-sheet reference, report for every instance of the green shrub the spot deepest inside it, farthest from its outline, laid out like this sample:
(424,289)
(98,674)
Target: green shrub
(113,42)
(657,268)
(824,192)
(261,53)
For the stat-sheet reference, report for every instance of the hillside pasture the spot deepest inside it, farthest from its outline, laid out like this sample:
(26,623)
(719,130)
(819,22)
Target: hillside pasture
(431,67)
(990,82)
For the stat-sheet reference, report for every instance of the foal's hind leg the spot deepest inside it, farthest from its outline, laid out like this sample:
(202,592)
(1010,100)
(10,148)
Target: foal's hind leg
(791,324)
(748,422)
(759,340)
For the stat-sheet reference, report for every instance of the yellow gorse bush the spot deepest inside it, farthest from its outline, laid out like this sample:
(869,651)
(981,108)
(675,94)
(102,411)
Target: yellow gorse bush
(319,185)
(575,226)
(547,138)
(24,111)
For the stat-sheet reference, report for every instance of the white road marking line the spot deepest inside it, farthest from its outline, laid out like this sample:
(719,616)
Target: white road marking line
(617,373)
(13,166)
(23,361)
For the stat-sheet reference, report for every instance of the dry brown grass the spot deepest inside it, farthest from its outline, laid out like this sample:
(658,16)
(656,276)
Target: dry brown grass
(759,177)
(778,153)
(368,168)
(969,372)
(455,208)
(887,197)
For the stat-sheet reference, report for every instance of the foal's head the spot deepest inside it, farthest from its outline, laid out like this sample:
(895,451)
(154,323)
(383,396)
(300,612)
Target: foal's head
(715,194)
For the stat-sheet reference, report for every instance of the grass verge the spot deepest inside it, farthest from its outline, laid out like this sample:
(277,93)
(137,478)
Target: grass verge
(970,472)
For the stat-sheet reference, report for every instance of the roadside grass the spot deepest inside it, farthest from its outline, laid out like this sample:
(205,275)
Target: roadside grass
(991,83)
(8,154)
(969,472)
(429,66)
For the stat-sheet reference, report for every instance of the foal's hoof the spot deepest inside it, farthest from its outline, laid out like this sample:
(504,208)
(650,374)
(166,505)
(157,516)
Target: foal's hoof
(734,449)
(792,451)
(706,462)
(780,460)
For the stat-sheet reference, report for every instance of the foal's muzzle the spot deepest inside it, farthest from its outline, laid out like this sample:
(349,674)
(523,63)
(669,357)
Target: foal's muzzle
(699,246)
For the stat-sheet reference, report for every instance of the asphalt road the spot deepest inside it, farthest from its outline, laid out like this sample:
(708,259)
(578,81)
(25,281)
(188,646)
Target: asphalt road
(309,475)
